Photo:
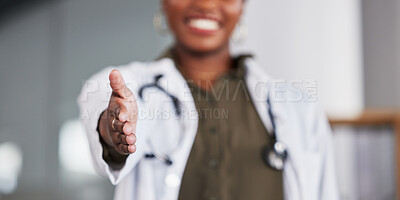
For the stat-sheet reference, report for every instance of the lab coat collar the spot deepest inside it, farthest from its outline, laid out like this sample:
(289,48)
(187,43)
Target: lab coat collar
(172,81)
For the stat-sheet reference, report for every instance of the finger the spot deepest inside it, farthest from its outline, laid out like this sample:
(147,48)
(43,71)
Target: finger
(116,138)
(131,139)
(123,138)
(132,148)
(128,128)
(123,149)
(118,85)
(119,110)
(122,113)
(117,126)
(128,139)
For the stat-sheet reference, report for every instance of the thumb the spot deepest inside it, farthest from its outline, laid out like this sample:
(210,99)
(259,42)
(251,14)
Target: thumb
(118,85)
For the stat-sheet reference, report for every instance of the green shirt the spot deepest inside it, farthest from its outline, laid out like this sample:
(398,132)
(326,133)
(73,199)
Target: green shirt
(225,162)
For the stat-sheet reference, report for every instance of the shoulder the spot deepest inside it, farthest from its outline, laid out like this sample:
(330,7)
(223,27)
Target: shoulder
(299,98)
(303,118)
(295,100)
(297,95)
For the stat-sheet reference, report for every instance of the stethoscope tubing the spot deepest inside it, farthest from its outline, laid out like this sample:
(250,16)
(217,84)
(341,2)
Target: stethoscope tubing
(275,148)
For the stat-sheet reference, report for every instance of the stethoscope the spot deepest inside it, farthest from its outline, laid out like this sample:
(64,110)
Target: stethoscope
(274,154)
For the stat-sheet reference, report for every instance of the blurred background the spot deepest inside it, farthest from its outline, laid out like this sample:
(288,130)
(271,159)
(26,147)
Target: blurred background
(48,48)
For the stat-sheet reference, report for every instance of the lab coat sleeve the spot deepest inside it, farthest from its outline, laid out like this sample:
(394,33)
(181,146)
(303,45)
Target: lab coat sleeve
(328,183)
(92,101)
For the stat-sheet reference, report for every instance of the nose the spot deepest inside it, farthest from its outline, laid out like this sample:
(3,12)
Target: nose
(205,5)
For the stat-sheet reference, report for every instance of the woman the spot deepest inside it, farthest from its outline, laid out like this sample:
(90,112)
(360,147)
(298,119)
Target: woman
(200,124)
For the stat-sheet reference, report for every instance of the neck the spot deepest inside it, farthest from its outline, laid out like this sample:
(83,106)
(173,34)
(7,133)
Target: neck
(203,68)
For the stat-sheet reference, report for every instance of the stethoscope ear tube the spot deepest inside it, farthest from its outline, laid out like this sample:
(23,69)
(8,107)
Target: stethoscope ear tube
(164,158)
(274,154)
(175,100)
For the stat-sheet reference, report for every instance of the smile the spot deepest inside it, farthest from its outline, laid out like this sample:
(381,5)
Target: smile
(203,25)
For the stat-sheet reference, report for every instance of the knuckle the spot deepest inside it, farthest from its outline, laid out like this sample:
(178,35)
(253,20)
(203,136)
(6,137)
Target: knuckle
(120,139)
(120,101)
(116,139)
(122,148)
(121,105)
(126,149)
(111,109)
(124,139)
(119,150)
(118,125)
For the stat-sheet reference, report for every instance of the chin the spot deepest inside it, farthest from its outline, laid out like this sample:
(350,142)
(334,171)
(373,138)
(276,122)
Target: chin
(204,46)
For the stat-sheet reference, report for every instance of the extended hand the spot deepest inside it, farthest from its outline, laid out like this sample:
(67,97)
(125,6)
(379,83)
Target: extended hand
(118,123)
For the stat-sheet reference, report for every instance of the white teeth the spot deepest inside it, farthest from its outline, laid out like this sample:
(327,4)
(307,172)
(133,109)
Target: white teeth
(206,24)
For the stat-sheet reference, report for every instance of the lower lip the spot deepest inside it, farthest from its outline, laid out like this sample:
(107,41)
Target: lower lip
(204,32)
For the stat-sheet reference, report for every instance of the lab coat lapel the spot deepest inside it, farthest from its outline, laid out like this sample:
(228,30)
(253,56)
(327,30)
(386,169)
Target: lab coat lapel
(174,83)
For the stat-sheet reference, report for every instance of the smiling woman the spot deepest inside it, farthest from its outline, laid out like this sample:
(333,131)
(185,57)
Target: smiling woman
(262,148)
(203,26)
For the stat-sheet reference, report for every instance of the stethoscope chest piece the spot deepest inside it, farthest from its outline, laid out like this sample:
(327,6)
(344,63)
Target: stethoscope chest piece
(274,155)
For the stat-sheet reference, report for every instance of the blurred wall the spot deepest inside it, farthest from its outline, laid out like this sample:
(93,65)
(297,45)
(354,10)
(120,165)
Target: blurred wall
(381,28)
(311,40)
(46,52)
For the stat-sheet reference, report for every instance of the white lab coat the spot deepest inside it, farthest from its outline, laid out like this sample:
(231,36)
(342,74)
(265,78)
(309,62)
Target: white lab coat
(300,124)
